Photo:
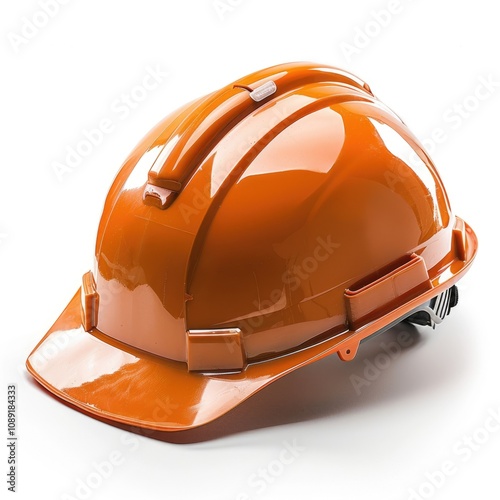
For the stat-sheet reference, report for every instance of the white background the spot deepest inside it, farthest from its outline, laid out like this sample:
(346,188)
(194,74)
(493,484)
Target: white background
(425,62)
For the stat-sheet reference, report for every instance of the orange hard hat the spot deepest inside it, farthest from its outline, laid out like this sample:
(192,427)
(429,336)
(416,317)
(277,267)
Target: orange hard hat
(283,218)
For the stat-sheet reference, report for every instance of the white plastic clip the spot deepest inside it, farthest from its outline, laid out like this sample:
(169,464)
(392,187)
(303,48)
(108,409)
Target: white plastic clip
(265,90)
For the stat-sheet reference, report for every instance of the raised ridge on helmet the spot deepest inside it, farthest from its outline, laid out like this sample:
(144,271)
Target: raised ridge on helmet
(314,223)
(217,113)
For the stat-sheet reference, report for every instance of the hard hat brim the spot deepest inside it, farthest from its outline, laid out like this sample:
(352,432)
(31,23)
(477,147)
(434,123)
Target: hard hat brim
(120,384)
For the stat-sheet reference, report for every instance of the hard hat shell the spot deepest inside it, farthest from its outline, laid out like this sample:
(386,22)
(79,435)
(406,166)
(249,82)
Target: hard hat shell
(286,217)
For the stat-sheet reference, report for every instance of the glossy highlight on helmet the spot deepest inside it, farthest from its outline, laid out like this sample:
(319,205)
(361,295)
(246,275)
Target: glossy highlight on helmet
(281,219)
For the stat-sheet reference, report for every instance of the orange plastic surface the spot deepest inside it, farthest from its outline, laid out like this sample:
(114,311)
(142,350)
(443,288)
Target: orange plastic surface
(251,232)
(392,286)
